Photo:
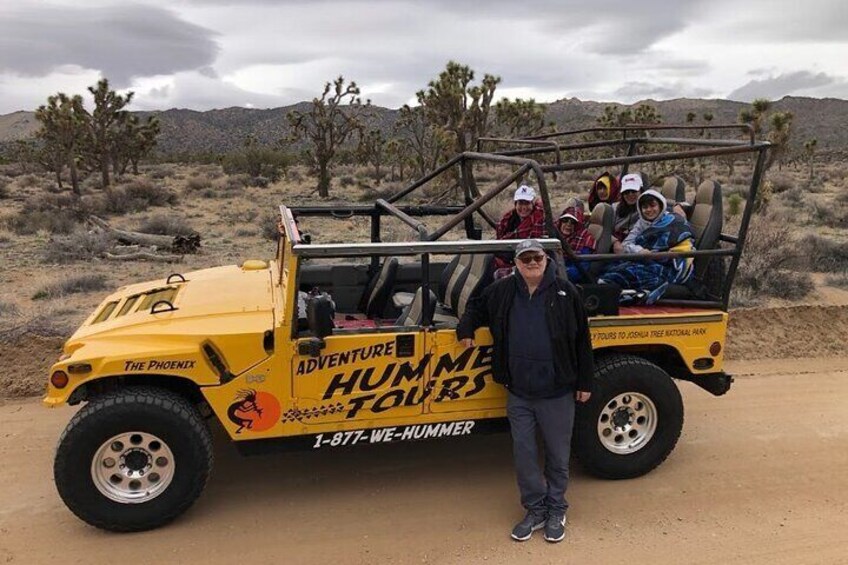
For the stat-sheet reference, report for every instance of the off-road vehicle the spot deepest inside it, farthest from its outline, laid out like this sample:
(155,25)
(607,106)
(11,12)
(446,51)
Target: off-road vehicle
(332,345)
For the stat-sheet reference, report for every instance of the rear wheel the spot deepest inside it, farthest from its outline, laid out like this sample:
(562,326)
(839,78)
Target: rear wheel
(632,421)
(133,459)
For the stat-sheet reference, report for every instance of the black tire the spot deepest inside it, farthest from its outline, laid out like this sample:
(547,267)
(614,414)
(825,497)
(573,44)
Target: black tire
(616,377)
(153,411)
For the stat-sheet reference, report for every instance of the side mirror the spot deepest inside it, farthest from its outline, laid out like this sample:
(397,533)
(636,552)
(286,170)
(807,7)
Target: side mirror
(320,312)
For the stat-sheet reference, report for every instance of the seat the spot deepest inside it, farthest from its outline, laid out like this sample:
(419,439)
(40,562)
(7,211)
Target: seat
(379,289)
(600,226)
(448,284)
(706,220)
(477,276)
(414,313)
(674,189)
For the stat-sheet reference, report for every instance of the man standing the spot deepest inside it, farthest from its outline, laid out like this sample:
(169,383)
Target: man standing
(542,354)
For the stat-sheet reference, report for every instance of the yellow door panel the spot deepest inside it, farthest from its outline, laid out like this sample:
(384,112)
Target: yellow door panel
(460,378)
(361,377)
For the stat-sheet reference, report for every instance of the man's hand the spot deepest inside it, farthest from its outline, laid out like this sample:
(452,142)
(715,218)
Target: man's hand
(582,396)
(467,342)
(617,247)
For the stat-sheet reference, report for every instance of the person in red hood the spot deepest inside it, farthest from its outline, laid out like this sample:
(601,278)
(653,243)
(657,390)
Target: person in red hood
(605,189)
(525,220)
(571,226)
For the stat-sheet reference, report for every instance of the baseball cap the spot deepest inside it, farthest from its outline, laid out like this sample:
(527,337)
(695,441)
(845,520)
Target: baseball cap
(528,245)
(570,216)
(524,192)
(633,181)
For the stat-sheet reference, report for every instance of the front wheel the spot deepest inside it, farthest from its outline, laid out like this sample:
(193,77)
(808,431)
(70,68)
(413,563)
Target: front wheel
(632,421)
(133,459)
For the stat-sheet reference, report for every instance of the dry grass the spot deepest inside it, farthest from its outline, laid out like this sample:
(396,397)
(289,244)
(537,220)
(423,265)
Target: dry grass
(166,224)
(78,246)
(71,285)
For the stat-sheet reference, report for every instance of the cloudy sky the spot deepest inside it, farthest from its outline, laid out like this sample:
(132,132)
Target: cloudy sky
(204,54)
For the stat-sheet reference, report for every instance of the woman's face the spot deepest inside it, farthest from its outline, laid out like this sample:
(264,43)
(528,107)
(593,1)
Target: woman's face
(523,208)
(566,227)
(631,196)
(602,191)
(650,209)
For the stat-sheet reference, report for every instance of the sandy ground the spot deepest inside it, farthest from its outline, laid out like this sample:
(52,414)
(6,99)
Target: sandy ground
(759,476)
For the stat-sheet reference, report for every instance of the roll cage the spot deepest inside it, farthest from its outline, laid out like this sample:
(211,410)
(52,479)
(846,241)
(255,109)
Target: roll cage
(635,141)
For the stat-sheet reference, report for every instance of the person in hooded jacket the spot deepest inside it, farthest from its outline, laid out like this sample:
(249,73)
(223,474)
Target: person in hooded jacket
(656,231)
(571,226)
(605,189)
(625,211)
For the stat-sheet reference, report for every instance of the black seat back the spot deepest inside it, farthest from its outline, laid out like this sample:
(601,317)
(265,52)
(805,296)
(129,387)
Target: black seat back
(707,221)
(379,289)
(674,189)
(477,276)
(414,313)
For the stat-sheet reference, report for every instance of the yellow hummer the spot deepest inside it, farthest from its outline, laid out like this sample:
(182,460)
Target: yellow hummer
(338,345)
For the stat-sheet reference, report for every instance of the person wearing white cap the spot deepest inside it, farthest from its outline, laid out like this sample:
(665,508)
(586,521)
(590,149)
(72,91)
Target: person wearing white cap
(625,212)
(525,220)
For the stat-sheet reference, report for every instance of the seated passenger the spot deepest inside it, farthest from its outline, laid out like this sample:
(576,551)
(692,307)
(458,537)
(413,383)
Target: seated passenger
(526,220)
(605,189)
(656,231)
(570,225)
(625,213)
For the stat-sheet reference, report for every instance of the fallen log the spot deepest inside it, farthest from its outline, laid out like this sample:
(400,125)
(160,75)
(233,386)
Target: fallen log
(144,256)
(178,243)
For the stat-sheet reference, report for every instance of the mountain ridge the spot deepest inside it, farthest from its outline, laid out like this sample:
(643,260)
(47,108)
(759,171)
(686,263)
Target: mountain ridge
(222,130)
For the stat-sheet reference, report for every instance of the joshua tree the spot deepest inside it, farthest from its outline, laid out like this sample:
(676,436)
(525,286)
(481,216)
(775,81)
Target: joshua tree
(372,151)
(810,152)
(519,118)
(332,121)
(64,125)
(780,130)
(425,141)
(105,125)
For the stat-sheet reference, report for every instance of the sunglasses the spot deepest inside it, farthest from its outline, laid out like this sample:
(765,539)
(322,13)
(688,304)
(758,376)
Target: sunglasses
(528,258)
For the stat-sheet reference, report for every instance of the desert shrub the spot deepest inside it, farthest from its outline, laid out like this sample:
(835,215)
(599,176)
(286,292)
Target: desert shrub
(31,220)
(28,181)
(43,325)
(347,180)
(256,161)
(269,227)
(4,188)
(823,254)
(781,182)
(385,191)
(232,183)
(245,232)
(160,172)
(152,194)
(79,246)
(295,175)
(166,224)
(794,196)
(765,268)
(8,309)
(830,215)
(198,183)
(838,281)
(734,205)
(71,285)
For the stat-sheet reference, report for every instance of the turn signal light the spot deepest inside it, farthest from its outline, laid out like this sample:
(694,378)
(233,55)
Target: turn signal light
(715,348)
(59,379)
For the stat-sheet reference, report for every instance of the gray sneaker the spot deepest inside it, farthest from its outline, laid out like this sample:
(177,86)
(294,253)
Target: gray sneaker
(555,528)
(525,528)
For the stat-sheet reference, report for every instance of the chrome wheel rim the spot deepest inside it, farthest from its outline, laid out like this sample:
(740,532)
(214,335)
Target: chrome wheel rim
(132,467)
(627,423)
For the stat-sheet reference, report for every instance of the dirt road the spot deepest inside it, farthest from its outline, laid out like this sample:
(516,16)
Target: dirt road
(759,476)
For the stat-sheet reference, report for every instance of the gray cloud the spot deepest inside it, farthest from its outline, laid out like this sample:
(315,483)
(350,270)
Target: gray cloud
(119,41)
(778,86)
(637,90)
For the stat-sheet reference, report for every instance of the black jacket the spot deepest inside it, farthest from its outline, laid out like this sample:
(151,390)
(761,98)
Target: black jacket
(567,326)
